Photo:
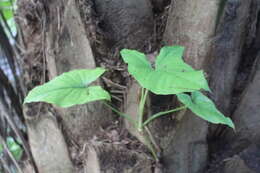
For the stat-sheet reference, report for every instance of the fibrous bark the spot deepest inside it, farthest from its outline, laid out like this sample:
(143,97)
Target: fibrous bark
(234,81)
(60,48)
(190,24)
(126,24)
(227,50)
(69,50)
(46,140)
(233,52)
(246,161)
(105,157)
(247,116)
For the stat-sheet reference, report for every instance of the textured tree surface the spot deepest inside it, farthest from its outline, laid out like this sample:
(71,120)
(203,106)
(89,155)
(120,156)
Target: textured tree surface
(220,36)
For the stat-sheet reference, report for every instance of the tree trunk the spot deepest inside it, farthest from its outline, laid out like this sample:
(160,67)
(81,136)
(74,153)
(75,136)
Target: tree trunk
(220,36)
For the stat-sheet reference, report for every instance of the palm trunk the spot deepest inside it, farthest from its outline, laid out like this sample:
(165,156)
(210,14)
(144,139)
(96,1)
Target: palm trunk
(65,35)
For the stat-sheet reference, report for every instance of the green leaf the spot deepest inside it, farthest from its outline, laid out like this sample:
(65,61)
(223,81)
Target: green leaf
(171,57)
(204,108)
(5,3)
(6,8)
(70,88)
(1,149)
(171,74)
(8,13)
(138,66)
(15,149)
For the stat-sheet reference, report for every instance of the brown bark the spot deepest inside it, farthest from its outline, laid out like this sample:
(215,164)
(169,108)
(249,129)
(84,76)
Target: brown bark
(71,47)
(68,50)
(126,24)
(234,90)
(47,143)
(190,24)
(233,52)
(246,117)
(104,157)
(226,52)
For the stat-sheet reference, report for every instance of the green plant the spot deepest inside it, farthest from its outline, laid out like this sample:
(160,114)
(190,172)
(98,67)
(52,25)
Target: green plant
(7,8)
(171,75)
(70,88)
(14,148)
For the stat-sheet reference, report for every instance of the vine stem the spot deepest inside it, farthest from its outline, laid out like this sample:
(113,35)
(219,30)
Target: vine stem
(134,123)
(150,145)
(144,93)
(140,125)
(161,114)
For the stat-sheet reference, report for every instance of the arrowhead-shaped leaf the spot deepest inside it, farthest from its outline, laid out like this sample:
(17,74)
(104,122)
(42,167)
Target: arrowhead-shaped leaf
(171,74)
(69,89)
(204,108)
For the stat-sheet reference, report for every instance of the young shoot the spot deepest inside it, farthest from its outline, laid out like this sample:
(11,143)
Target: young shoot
(170,76)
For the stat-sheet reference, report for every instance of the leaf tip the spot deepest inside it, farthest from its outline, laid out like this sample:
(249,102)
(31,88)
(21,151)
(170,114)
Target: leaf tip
(232,125)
